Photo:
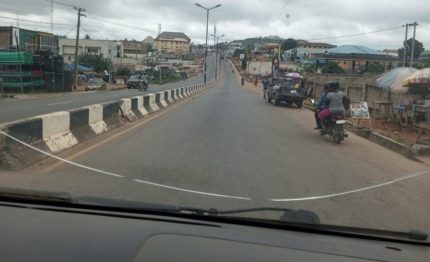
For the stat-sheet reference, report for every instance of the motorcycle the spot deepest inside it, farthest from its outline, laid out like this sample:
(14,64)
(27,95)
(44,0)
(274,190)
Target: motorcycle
(334,127)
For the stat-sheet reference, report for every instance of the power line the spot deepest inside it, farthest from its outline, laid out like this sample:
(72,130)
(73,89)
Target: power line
(88,32)
(68,32)
(32,21)
(123,25)
(357,34)
(61,3)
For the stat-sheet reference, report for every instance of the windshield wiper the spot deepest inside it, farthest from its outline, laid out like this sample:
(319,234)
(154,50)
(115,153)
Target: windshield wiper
(303,219)
(308,219)
(12,194)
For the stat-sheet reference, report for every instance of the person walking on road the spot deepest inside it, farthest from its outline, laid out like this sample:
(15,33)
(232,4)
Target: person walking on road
(265,87)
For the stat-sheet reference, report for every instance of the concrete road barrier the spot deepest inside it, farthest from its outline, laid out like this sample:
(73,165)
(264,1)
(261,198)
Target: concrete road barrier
(125,109)
(183,92)
(146,104)
(56,131)
(96,119)
(80,124)
(112,115)
(178,93)
(168,97)
(173,95)
(137,106)
(159,99)
(15,155)
(153,103)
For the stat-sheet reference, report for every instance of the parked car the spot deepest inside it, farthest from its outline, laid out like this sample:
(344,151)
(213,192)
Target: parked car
(289,90)
(137,81)
(95,84)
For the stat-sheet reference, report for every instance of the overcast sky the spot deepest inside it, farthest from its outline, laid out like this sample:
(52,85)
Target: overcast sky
(304,19)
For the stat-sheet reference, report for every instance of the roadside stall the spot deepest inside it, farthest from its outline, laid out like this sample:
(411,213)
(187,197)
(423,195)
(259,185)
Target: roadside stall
(419,83)
(392,83)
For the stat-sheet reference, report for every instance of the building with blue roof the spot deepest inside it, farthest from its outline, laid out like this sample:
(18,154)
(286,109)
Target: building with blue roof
(351,57)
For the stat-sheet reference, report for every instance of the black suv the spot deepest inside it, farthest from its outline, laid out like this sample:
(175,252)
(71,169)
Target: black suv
(289,90)
(137,81)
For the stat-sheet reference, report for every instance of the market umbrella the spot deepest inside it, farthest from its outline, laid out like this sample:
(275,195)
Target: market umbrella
(394,79)
(419,78)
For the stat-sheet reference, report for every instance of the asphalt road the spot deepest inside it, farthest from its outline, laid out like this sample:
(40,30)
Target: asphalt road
(14,109)
(228,141)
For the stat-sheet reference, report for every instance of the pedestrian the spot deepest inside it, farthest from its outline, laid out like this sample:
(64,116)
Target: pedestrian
(256,81)
(265,87)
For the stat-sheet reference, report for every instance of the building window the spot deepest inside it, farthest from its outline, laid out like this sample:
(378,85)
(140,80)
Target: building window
(92,50)
(70,58)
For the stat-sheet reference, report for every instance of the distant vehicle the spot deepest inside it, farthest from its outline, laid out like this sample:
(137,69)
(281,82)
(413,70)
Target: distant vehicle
(95,84)
(137,81)
(289,90)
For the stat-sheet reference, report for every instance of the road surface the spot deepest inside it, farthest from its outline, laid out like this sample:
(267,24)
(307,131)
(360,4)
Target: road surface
(228,149)
(14,109)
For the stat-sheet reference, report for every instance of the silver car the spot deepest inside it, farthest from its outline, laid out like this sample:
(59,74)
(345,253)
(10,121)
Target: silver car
(95,84)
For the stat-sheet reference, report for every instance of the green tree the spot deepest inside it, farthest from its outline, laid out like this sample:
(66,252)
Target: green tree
(418,49)
(289,43)
(98,62)
(87,36)
(124,71)
(237,52)
(333,68)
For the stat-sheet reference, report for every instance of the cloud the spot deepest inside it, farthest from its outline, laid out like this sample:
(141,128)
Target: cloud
(302,19)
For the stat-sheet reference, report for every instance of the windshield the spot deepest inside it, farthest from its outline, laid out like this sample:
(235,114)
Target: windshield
(347,142)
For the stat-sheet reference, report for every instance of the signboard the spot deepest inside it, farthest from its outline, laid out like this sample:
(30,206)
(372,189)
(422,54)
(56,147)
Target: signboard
(360,110)
(242,56)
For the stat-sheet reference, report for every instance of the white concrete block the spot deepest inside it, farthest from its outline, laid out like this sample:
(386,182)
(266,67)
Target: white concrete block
(179,94)
(56,131)
(140,107)
(125,105)
(169,97)
(96,119)
(162,101)
(152,103)
(184,92)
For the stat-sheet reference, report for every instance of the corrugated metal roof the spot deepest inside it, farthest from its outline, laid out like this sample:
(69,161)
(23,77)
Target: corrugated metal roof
(170,35)
(354,49)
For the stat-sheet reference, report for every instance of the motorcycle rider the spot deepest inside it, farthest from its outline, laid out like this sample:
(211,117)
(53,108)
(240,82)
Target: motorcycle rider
(320,105)
(336,102)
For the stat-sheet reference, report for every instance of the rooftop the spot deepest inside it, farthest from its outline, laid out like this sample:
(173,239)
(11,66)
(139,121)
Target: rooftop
(172,35)
(354,50)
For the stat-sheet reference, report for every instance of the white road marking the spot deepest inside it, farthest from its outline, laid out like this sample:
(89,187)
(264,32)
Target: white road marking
(60,103)
(59,158)
(191,191)
(403,178)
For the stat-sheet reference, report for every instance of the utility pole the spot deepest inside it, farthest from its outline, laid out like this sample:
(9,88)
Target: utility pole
(405,45)
(413,43)
(214,35)
(80,10)
(52,46)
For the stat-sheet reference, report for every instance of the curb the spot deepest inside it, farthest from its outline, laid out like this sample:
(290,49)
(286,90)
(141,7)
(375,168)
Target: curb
(58,131)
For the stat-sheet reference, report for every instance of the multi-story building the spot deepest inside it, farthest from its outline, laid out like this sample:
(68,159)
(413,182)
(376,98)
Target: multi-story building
(314,46)
(108,48)
(27,40)
(172,42)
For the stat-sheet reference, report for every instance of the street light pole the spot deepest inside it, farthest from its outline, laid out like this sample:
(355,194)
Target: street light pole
(216,54)
(207,31)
